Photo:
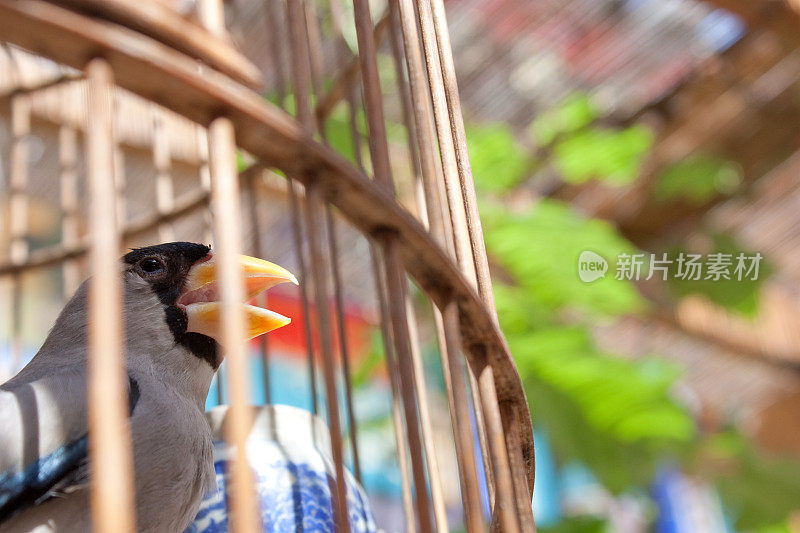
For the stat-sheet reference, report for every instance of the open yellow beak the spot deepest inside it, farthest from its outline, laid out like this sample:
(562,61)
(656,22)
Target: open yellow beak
(201,296)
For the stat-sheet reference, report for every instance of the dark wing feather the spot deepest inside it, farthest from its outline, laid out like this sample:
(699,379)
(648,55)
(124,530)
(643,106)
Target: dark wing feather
(57,473)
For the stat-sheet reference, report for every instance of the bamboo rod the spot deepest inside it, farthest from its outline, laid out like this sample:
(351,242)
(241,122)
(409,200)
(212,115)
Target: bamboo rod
(403,14)
(320,265)
(119,177)
(455,202)
(319,269)
(373,103)
(504,515)
(379,152)
(423,128)
(261,299)
(212,16)
(162,162)
(386,333)
(432,461)
(467,254)
(406,105)
(394,373)
(453,363)
(315,63)
(18,215)
(297,234)
(348,76)
(243,507)
(480,428)
(448,70)
(109,434)
(314,50)
(396,290)
(68,186)
(338,293)
(524,505)
(429,207)
(18,179)
(276,21)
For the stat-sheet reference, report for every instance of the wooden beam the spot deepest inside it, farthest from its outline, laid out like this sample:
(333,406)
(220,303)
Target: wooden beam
(157,20)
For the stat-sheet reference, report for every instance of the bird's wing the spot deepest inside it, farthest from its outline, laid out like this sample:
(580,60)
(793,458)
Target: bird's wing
(46,452)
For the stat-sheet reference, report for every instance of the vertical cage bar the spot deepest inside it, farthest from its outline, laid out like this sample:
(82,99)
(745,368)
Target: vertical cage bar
(430,208)
(227,232)
(379,152)
(261,299)
(315,63)
(338,294)
(406,105)
(394,373)
(480,428)
(453,363)
(373,104)
(109,434)
(18,182)
(395,283)
(446,149)
(504,515)
(448,70)
(275,16)
(305,298)
(320,266)
(402,13)
(119,174)
(424,125)
(204,173)
(68,188)
(432,461)
(322,291)
(473,217)
(471,259)
(212,16)
(518,469)
(379,278)
(162,161)
(18,214)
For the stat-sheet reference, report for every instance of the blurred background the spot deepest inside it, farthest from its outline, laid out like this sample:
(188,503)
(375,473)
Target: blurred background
(645,132)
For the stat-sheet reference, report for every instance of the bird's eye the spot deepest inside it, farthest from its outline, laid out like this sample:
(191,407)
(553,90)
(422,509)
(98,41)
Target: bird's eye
(151,265)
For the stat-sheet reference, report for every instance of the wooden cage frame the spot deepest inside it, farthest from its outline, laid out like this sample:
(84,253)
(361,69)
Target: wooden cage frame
(149,50)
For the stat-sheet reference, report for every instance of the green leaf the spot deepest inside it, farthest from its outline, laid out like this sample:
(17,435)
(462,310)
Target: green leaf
(740,296)
(498,161)
(698,179)
(574,113)
(578,524)
(540,249)
(611,156)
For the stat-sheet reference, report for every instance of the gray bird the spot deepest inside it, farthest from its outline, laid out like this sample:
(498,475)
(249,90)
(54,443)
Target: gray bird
(171,313)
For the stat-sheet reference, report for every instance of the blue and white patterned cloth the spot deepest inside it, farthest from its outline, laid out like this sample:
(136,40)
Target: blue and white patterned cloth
(294,482)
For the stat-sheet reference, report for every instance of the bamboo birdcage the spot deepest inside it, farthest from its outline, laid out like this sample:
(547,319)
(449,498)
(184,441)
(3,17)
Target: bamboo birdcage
(198,96)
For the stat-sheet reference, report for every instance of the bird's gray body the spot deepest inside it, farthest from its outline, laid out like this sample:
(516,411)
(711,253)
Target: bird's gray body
(44,407)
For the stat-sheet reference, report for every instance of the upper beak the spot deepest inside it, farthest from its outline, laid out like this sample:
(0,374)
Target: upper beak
(201,296)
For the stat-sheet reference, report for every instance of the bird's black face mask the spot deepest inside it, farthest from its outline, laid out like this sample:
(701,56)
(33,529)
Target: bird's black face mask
(183,276)
(166,267)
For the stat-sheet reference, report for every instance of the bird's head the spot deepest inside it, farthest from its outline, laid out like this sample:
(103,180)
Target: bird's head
(183,276)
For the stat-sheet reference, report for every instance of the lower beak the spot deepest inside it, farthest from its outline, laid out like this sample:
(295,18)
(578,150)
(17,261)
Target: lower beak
(201,297)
